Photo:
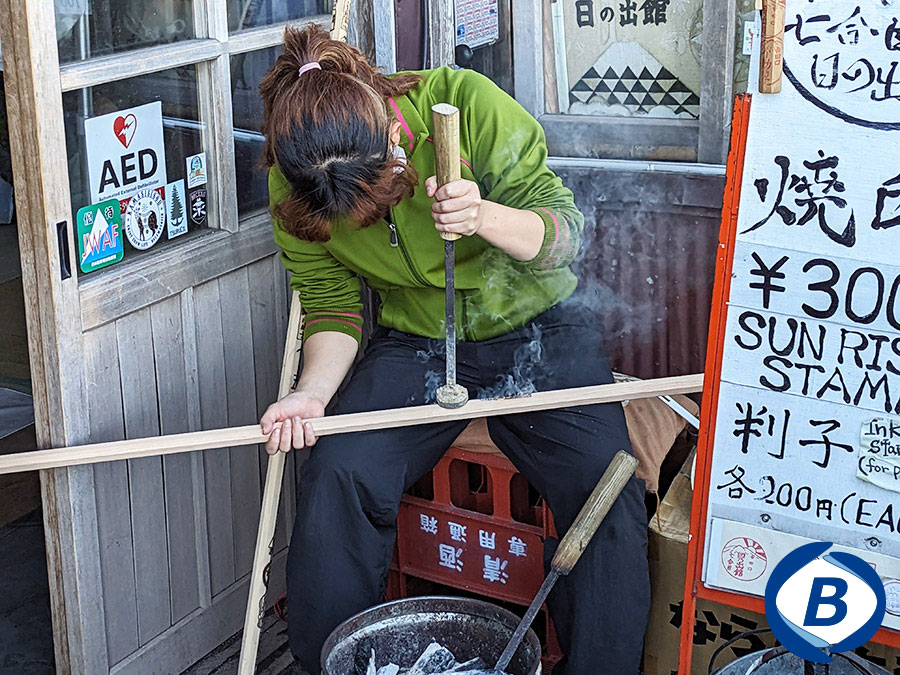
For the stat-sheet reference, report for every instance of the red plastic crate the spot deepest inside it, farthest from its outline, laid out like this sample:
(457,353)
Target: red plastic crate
(475,524)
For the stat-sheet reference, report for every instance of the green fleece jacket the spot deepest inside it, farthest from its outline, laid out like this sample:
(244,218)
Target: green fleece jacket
(402,257)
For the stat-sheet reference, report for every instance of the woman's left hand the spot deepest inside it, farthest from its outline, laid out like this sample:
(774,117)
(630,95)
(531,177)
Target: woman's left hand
(457,206)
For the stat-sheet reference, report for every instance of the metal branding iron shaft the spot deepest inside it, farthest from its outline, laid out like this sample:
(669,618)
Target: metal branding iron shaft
(446,151)
(608,489)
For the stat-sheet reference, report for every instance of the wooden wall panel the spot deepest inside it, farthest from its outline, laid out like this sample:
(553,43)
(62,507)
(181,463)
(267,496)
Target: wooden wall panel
(213,414)
(181,531)
(148,508)
(176,534)
(107,423)
(240,396)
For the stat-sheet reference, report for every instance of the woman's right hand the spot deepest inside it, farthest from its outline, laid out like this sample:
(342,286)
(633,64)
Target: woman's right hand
(286,422)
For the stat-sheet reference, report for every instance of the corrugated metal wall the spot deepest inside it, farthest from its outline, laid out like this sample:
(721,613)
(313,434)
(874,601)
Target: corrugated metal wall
(648,263)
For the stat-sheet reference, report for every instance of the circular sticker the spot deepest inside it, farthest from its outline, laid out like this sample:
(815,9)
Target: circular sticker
(744,559)
(892,596)
(145,218)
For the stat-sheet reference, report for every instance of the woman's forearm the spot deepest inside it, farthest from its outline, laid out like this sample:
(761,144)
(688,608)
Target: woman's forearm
(517,232)
(327,357)
(459,208)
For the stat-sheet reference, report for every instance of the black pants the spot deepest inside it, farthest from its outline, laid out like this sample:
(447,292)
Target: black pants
(350,488)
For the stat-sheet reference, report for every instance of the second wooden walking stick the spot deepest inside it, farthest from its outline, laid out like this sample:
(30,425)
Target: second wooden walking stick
(262,556)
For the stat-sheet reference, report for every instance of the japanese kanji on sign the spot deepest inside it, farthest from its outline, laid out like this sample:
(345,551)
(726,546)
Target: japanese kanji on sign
(801,436)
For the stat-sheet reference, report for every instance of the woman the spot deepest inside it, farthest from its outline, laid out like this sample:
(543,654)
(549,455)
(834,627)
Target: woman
(349,150)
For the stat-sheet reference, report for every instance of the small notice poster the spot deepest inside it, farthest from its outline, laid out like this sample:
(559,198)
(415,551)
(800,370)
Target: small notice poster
(477,22)
(125,152)
(807,422)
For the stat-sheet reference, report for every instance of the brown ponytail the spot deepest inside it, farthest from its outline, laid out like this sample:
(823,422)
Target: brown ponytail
(327,130)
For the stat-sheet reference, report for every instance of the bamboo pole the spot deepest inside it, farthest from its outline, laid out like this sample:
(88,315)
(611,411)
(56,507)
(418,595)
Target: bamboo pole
(342,424)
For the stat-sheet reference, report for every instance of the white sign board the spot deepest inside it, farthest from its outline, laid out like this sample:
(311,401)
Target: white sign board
(807,435)
(125,152)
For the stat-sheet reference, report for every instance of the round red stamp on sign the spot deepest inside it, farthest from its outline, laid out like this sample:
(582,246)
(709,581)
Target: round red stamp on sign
(744,559)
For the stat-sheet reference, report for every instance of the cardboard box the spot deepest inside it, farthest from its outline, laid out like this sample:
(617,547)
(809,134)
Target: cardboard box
(715,623)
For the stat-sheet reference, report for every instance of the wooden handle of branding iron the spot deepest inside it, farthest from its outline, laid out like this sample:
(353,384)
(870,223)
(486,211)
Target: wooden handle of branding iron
(446,149)
(608,489)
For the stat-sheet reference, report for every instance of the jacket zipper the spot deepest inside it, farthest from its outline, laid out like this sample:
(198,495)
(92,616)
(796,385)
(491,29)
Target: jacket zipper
(395,237)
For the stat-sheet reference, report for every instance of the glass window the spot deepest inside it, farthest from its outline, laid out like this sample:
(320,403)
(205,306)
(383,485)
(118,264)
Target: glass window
(246,72)
(628,58)
(243,14)
(136,159)
(88,28)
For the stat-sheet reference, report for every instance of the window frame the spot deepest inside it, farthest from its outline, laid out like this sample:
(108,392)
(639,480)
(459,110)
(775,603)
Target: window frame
(704,141)
(230,241)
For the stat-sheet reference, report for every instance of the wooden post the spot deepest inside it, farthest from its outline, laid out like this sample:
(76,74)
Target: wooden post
(771,67)
(716,80)
(441,29)
(38,147)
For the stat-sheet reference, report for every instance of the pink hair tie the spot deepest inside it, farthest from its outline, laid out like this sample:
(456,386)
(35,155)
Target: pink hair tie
(306,67)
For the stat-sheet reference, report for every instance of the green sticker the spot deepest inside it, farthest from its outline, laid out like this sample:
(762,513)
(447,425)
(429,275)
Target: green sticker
(100,235)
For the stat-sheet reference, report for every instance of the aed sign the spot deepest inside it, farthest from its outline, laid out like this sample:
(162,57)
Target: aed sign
(125,152)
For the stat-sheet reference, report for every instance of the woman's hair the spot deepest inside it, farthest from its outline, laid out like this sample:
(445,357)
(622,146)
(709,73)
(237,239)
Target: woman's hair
(327,130)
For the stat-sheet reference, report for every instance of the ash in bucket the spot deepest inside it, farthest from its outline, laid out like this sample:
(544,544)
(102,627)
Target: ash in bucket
(435,660)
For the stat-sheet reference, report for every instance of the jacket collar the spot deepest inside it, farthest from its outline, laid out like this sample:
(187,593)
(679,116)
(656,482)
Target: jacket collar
(414,130)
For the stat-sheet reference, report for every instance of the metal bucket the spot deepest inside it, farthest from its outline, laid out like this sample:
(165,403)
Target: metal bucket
(400,631)
(778,661)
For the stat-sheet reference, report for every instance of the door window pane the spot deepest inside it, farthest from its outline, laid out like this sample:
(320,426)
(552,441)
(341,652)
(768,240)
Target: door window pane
(136,159)
(628,58)
(88,28)
(243,14)
(246,72)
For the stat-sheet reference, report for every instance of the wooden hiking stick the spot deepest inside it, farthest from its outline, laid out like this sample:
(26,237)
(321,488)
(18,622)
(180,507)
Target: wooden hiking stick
(155,446)
(771,66)
(265,535)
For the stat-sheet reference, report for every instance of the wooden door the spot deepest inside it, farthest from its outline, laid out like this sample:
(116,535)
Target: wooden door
(149,559)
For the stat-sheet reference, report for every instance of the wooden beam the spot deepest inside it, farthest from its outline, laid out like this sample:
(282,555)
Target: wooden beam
(342,424)
(441,29)
(716,80)
(199,257)
(46,244)
(528,55)
(385,35)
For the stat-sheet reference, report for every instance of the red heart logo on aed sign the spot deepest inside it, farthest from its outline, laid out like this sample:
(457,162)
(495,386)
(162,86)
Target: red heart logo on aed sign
(124,128)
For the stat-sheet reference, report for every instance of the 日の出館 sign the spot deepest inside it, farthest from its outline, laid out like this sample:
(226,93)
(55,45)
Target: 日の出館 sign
(807,421)
(125,152)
